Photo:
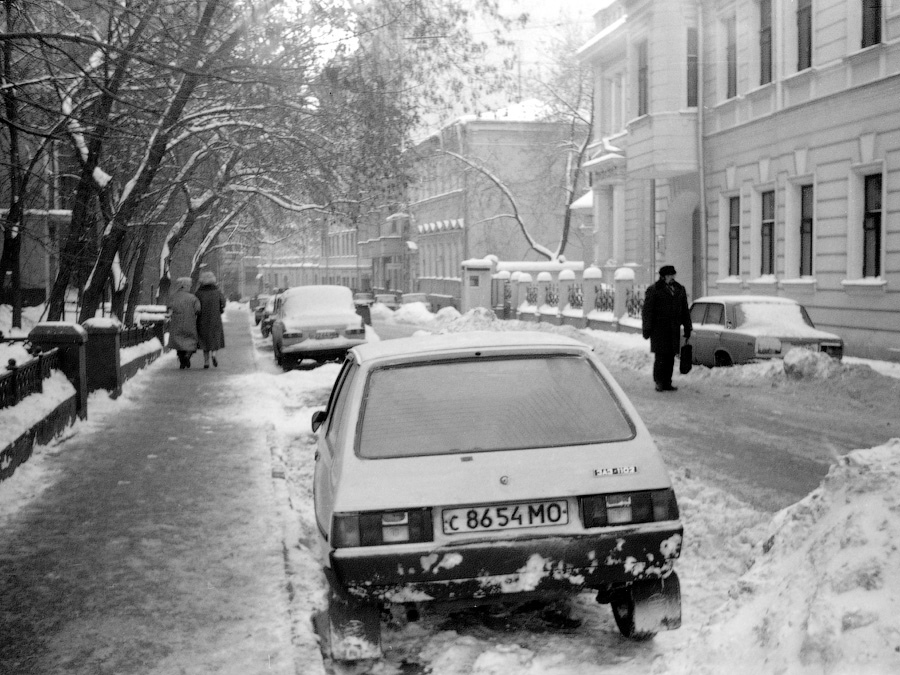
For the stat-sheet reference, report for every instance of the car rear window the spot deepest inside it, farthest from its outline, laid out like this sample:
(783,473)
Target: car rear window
(483,405)
(317,300)
(774,317)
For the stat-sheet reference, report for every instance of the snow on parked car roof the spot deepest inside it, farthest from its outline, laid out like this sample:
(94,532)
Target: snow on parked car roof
(773,299)
(460,342)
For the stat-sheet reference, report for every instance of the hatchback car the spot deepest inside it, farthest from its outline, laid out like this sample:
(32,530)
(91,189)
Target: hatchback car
(315,322)
(738,329)
(488,467)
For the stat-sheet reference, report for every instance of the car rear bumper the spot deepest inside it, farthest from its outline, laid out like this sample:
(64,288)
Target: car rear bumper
(312,348)
(483,569)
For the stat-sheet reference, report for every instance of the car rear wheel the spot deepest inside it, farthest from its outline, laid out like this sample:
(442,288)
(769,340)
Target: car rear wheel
(723,360)
(646,607)
(349,630)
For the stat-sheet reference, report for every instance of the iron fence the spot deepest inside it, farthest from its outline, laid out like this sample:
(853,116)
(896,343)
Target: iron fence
(131,337)
(576,296)
(634,301)
(21,381)
(605,299)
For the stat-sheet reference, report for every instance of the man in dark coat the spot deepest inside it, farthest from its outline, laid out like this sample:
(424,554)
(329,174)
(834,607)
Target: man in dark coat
(665,311)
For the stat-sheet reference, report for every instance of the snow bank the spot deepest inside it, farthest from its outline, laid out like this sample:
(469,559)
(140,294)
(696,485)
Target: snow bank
(804,363)
(823,590)
(16,420)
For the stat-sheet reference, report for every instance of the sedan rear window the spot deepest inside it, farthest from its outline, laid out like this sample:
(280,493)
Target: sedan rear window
(773,318)
(318,300)
(482,405)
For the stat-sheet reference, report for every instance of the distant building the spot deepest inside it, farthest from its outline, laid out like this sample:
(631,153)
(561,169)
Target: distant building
(755,145)
(457,213)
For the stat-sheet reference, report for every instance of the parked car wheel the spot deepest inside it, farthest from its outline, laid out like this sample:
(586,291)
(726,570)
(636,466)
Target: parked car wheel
(723,360)
(636,609)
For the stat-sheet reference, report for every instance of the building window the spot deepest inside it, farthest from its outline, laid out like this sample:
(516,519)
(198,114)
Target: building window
(693,67)
(765,41)
(871,22)
(643,83)
(872,226)
(731,57)
(767,232)
(804,34)
(734,236)
(806,230)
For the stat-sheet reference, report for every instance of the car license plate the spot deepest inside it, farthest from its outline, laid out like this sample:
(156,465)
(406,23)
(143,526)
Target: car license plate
(326,334)
(507,517)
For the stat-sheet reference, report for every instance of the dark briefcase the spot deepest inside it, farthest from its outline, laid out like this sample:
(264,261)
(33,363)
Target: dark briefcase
(686,359)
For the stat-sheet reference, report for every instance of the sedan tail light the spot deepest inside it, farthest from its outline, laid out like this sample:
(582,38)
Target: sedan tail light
(355,332)
(768,345)
(382,527)
(624,508)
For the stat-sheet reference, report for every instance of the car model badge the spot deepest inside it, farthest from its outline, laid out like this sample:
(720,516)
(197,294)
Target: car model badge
(615,471)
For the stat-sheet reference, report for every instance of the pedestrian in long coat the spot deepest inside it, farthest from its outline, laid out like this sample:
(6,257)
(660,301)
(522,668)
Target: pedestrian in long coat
(212,304)
(665,312)
(184,308)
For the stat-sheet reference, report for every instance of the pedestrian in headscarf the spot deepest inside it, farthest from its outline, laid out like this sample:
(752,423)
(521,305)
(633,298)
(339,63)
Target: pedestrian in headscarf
(185,308)
(665,312)
(212,304)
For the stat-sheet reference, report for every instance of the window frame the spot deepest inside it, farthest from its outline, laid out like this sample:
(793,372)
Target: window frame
(807,226)
(730,56)
(643,78)
(872,226)
(872,15)
(767,232)
(765,42)
(734,235)
(693,67)
(804,34)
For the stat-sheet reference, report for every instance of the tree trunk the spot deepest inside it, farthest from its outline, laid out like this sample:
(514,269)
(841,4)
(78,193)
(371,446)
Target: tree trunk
(137,276)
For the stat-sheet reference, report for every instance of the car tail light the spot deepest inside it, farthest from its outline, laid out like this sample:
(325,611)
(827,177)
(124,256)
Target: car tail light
(382,527)
(624,508)
(355,332)
(833,350)
(768,345)
(297,335)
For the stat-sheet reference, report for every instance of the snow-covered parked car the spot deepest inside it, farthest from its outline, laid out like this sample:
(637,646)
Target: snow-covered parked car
(488,467)
(315,322)
(736,329)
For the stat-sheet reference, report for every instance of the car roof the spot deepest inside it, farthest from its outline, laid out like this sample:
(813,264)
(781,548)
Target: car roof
(458,343)
(775,299)
(300,290)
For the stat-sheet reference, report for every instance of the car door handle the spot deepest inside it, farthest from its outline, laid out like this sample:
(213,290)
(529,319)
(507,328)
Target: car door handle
(316,456)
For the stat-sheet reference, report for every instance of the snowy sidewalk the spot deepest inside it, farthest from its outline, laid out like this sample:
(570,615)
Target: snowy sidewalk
(159,548)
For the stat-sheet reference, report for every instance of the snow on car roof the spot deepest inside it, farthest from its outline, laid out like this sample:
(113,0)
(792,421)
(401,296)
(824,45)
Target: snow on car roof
(774,299)
(457,342)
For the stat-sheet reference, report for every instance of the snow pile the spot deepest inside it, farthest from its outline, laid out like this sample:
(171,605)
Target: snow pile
(807,364)
(17,419)
(13,351)
(823,590)
(381,312)
(413,313)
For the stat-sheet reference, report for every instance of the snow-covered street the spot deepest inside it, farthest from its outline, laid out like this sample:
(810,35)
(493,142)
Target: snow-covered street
(810,588)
